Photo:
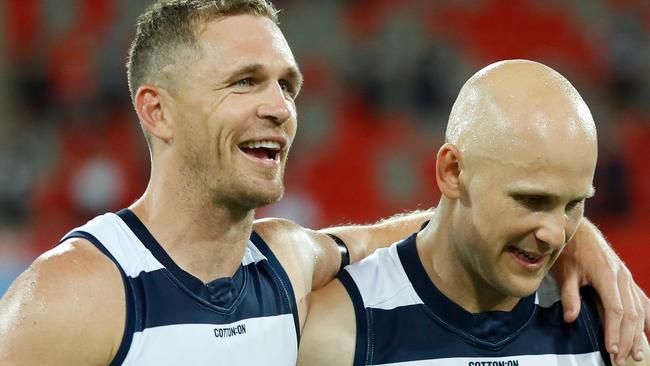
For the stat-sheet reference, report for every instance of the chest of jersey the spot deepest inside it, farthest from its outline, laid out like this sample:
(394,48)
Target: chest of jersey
(403,319)
(175,319)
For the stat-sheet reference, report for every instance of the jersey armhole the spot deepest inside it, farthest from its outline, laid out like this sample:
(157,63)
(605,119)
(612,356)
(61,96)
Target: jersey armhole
(129,326)
(282,276)
(361,346)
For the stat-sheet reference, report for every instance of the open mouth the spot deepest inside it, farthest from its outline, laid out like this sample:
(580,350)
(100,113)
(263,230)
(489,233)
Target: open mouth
(525,255)
(263,149)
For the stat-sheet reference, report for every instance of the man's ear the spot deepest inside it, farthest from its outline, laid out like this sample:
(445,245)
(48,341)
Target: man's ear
(151,107)
(448,169)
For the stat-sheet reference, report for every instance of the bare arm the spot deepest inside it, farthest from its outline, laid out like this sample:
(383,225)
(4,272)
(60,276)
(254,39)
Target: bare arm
(329,336)
(318,255)
(312,259)
(55,313)
(363,240)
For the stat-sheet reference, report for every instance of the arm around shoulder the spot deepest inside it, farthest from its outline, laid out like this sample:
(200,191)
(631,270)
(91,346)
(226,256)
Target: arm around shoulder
(363,240)
(67,308)
(317,255)
(311,257)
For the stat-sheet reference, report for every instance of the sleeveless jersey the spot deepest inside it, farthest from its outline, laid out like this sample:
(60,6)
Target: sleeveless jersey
(403,319)
(172,318)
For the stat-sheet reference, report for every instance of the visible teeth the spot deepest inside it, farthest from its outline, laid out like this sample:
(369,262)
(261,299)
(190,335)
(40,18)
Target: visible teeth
(266,144)
(526,255)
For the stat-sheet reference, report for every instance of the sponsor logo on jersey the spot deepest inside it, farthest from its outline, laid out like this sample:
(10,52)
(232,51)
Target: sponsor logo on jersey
(494,363)
(232,331)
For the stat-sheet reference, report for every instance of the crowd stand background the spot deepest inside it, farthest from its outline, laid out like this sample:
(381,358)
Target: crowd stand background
(381,76)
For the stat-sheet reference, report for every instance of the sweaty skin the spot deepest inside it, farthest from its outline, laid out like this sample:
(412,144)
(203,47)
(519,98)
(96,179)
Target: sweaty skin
(514,174)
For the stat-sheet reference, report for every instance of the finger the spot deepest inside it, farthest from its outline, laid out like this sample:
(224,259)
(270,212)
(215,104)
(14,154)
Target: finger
(630,317)
(608,290)
(570,296)
(645,303)
(639,337)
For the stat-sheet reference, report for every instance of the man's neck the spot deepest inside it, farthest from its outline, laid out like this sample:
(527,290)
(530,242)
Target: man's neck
(446,269)
(204,240)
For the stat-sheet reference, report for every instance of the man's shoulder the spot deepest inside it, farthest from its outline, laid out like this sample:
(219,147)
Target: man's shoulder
(58,296)
(379,280)
(277,231)
(74,260)
(293,245)
(74,274)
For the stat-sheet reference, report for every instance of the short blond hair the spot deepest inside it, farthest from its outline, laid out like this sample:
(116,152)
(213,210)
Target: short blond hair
(167,34)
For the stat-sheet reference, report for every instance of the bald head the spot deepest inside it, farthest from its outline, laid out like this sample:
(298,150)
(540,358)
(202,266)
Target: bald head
(518,106)
(514,175)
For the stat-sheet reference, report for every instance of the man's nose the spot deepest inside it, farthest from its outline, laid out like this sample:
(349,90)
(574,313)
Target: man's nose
(275,106)
(552,229)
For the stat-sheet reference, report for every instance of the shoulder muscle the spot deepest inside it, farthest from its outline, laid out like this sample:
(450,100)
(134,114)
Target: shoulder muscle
(310,256)
(68,307)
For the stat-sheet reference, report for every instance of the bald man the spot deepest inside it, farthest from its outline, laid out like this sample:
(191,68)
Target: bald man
(515,171)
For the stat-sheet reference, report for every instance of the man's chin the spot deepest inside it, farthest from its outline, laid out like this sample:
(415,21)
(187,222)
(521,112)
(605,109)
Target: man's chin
(247,200)
(257,199)
(269,199)
(524,288)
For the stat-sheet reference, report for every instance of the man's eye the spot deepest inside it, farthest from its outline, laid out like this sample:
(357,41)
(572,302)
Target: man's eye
(574,205)
(532,201)
(287,87)
(244,82)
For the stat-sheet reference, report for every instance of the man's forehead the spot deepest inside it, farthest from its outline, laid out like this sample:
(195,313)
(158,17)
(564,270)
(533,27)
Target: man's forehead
(543,173)
(244,35)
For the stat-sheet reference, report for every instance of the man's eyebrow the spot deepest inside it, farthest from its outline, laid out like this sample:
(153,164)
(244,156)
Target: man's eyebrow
(295,76)
(245,70)
(537,191)
(291,73)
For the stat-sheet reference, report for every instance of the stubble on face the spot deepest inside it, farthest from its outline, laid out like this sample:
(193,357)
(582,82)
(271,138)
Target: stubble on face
(218,117)
(230,189)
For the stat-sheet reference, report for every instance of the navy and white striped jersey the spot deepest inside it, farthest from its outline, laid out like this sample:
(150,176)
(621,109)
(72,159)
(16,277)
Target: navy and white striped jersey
(403,319)
(175,319)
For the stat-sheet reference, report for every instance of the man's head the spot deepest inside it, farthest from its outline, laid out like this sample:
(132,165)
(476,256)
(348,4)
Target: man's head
(517,166)
(167,35)
(214,84)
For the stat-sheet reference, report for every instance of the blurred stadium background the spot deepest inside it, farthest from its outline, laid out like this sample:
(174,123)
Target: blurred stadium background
(381,76)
